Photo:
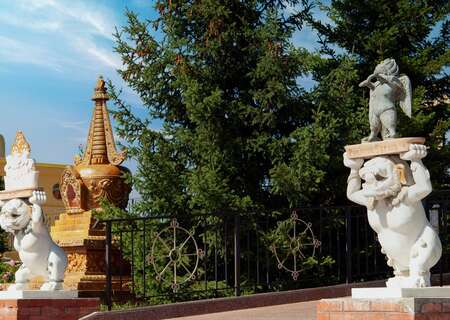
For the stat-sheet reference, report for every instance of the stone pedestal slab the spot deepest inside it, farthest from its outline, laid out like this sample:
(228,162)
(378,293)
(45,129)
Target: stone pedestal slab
(15,194)
(385,293)
(38,294)
(386,147)
(384,309)
(46,309)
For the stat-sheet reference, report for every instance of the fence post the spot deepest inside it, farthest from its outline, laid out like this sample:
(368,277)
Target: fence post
(108,265)
(237,255)
(348,244)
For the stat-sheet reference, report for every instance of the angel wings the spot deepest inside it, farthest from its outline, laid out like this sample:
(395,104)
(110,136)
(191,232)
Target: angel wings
(405,97)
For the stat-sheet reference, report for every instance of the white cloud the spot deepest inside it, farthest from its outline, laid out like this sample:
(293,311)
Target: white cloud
(96,53)
(20,22)
(98,19)
(65,36)
(16,51)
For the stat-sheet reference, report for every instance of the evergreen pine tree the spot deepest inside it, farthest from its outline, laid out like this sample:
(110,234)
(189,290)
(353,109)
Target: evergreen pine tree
(222,77)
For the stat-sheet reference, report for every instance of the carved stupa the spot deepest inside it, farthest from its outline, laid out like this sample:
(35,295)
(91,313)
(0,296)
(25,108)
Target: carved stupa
(98,174)
(95,176)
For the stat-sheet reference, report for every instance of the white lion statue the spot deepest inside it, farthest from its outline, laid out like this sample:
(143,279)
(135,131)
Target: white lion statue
(40,256)
(392,193)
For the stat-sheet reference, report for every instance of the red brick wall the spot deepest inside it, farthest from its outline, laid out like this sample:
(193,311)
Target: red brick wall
(46,309)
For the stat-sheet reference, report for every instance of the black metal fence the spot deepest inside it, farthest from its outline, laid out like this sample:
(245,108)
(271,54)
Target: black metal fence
(163,259)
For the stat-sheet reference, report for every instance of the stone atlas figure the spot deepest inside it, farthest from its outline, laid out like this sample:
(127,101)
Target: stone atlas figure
(392,193)
(381,180)
(21,215)
(388,89)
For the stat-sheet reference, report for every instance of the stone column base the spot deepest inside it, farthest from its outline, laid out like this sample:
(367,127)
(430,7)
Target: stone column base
(45,309)
(384,309)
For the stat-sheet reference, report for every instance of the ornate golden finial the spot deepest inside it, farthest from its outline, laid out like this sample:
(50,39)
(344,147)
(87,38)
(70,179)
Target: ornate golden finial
(20,144)
(97,174)
(101,148)
(100,92)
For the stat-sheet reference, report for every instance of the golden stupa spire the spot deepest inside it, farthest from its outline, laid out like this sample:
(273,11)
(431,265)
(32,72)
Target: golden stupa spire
(101,148)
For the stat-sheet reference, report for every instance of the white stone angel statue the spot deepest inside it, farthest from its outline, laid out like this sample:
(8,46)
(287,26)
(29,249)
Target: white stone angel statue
(384,93)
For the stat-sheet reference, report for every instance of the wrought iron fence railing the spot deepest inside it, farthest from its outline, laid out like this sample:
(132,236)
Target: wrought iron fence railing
(163,259)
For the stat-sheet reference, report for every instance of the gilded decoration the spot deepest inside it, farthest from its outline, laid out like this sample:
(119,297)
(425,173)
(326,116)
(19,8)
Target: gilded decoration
(97,174)
(89,261)
(20,144)
(71,190)
(111,189)
(101,147)
(77,262)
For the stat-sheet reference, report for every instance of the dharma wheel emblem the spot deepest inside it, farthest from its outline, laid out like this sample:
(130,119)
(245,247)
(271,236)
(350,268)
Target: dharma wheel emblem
(295,243)
(175,255)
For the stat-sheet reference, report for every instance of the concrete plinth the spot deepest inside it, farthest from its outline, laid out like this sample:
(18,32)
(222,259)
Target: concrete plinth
(384,309)
(37,294)
(45,309)
(384,293)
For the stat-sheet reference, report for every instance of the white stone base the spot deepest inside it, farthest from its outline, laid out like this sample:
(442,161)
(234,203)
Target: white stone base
(383,293)
(38,294)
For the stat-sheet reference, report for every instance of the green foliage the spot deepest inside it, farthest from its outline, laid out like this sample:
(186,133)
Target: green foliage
(365,33)
(304,172)
(223,79)
(7,271)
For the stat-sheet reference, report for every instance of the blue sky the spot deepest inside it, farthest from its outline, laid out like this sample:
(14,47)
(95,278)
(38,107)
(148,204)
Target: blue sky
(51,52)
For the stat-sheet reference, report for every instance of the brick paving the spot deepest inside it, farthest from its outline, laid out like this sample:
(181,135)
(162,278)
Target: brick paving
(293,311)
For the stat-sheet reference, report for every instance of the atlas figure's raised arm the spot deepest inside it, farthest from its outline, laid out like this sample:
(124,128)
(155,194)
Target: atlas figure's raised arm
(37,199)
(422,183)
(354,191)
